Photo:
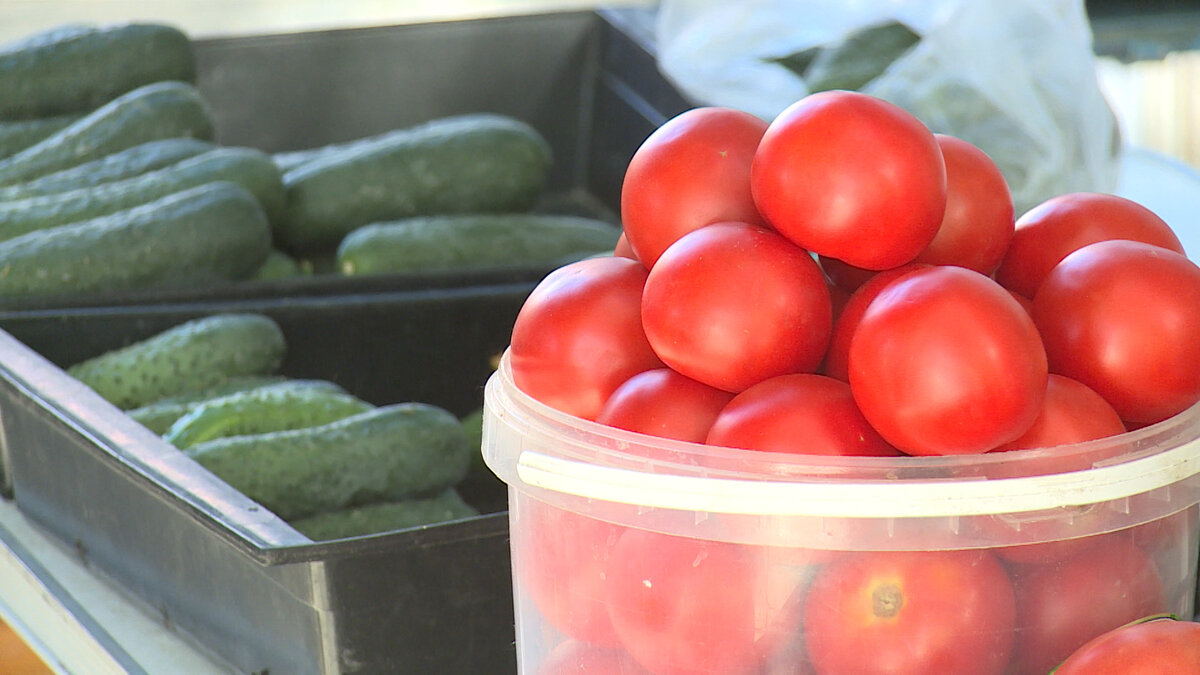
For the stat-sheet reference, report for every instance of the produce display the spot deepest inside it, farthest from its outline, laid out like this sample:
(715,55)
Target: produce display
(305,449)
(841,284)
(108,120)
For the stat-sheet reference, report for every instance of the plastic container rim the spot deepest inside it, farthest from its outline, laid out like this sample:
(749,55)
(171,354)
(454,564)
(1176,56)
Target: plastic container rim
(566,454)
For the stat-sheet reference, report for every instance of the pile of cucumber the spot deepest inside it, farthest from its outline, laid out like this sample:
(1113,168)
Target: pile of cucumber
(327,462)
(112,179)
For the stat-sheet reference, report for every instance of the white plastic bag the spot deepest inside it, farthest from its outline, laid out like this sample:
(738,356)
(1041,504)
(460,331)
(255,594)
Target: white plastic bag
(1015,77)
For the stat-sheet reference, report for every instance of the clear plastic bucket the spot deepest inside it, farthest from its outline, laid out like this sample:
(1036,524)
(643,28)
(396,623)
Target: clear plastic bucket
(634,554)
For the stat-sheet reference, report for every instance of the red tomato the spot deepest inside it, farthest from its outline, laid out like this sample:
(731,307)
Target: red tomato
(693,170)
(573,656)
(663,403)
(623,249)
(1071,413)
(1049,231)
(732,304)
(837,355)
(1144,648)
(978,224)
(1062,605)
(945,361)
(561,557)
(687,606)
(852,177)
(901,613)
(1123,317)
(800,413)
(579,335)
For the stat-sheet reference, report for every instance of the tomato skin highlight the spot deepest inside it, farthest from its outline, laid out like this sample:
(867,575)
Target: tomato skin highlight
(732,304)
(579,335)
(837,357)
(800,413)
(1147,648)
(694,170)
(1048,232)
(1123,317)
(945,361)
(910,613)
(853,177)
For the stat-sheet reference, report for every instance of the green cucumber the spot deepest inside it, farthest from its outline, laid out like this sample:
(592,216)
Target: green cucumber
(385,517)
(148,113)
(280,265)
(79,68)
(247,167)
(465,164)
(392,452)
(291,159)
(187,357)
(464,242)
(117,166)
(213,232)
(292,404)
(158,416)
(17,135)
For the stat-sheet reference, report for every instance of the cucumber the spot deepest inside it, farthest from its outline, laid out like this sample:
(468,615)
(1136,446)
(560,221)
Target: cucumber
(187,357)
(465,164)
(17,135)
(247,167)
(119,165)
(464,242)
(290,159)
(292,404)
(384,517)
(392,452)
(158,416)
(280,265)
(148,113)
(76,68)
(213,232)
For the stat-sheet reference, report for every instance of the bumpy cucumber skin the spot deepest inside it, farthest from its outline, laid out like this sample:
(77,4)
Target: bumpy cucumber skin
(17,135)
(148,113)
(481,163)
(296,404)
(393,452)
(158,416)
(465,242)
(187,357)
(119,165)
(385,516)
(78,68)
(247,167)
(214,232)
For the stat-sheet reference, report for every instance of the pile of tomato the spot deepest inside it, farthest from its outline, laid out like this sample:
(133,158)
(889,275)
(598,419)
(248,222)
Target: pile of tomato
(843,281)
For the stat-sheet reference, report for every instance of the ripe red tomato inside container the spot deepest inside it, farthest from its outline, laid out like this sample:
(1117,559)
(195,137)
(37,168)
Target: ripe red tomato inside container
(1009,511)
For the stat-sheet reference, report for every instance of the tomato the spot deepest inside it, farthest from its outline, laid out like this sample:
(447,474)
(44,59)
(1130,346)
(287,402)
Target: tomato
(944,361)
(687,606)
(561,557)
(693,170)
(663,403)
(1143,648)
(579,335)
(573,656)
(852,177)
(898,613)
(1062,605)
(844,275)
(978,223)
(1046,233)
(732,304)
(1123,317)
(1071,413)
(836,357)
(799,413)
(623,249)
